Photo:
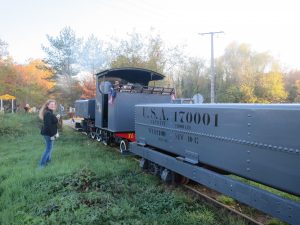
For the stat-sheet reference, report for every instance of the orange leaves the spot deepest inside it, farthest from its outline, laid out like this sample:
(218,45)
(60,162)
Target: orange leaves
(88,88)
(37,73)
(30,83)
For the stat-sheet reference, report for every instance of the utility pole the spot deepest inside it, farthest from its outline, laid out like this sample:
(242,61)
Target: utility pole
(212,81)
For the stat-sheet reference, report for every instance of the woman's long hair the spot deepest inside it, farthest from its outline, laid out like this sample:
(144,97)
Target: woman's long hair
(44,108)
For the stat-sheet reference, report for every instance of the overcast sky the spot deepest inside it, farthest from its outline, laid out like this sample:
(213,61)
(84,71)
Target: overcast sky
(266,25)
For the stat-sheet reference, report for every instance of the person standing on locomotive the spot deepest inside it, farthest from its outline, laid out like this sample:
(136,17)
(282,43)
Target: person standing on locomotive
(49,129)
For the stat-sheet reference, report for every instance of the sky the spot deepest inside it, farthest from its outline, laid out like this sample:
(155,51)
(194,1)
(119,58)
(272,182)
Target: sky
(268,26)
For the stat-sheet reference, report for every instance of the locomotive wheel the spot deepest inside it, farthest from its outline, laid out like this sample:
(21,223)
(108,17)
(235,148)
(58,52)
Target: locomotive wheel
(167,176)
(179,179)
(154,169)
(144,164)
(98,135)
(124,146)
(106,141)
(99,138)
(93,135)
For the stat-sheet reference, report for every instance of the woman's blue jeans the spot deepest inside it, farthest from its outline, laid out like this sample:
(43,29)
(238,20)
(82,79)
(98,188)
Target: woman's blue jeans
(48,151)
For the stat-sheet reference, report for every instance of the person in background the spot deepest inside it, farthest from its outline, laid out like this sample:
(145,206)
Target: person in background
(62,109)
(49,129)
(26,108)
(32,109)
(117,85)
(72,115)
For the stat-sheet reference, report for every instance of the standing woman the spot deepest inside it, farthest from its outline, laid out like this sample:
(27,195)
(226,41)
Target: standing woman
(49,129)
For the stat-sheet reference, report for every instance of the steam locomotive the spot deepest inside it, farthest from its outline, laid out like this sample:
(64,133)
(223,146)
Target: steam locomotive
(207,143)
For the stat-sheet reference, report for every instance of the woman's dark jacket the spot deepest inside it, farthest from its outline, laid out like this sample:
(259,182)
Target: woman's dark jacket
(50,124)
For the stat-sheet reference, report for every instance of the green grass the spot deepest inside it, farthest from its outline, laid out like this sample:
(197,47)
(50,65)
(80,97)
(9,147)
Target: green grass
(86,183)
(267,188)
(225,200)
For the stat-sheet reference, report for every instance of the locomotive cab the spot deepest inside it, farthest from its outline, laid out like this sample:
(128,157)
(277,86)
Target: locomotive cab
(118,91)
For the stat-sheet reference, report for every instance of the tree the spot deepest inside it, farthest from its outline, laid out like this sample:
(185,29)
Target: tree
(127,53)
(63,58)
(9,78)
(193,78)
(92,55)
(35,82)
(292,80)
(234,94)
(149,52)
(270,88)
(63,52)
(88,87)
(297,88)
(242,76)
(30,83)
(3,49)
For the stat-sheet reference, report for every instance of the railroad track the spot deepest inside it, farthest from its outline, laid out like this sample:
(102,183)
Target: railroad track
(216,203)
(208,198)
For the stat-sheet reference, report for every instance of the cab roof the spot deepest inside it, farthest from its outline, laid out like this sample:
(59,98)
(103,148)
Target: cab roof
(131,75)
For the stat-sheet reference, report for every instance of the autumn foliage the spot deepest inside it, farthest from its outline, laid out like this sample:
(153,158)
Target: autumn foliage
(36,73)
(30,83)
(88,88)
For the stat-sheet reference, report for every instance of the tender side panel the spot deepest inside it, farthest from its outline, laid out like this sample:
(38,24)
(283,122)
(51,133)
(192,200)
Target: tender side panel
(259,143)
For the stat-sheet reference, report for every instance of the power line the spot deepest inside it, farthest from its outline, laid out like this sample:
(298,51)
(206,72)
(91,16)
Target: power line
(212,81)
